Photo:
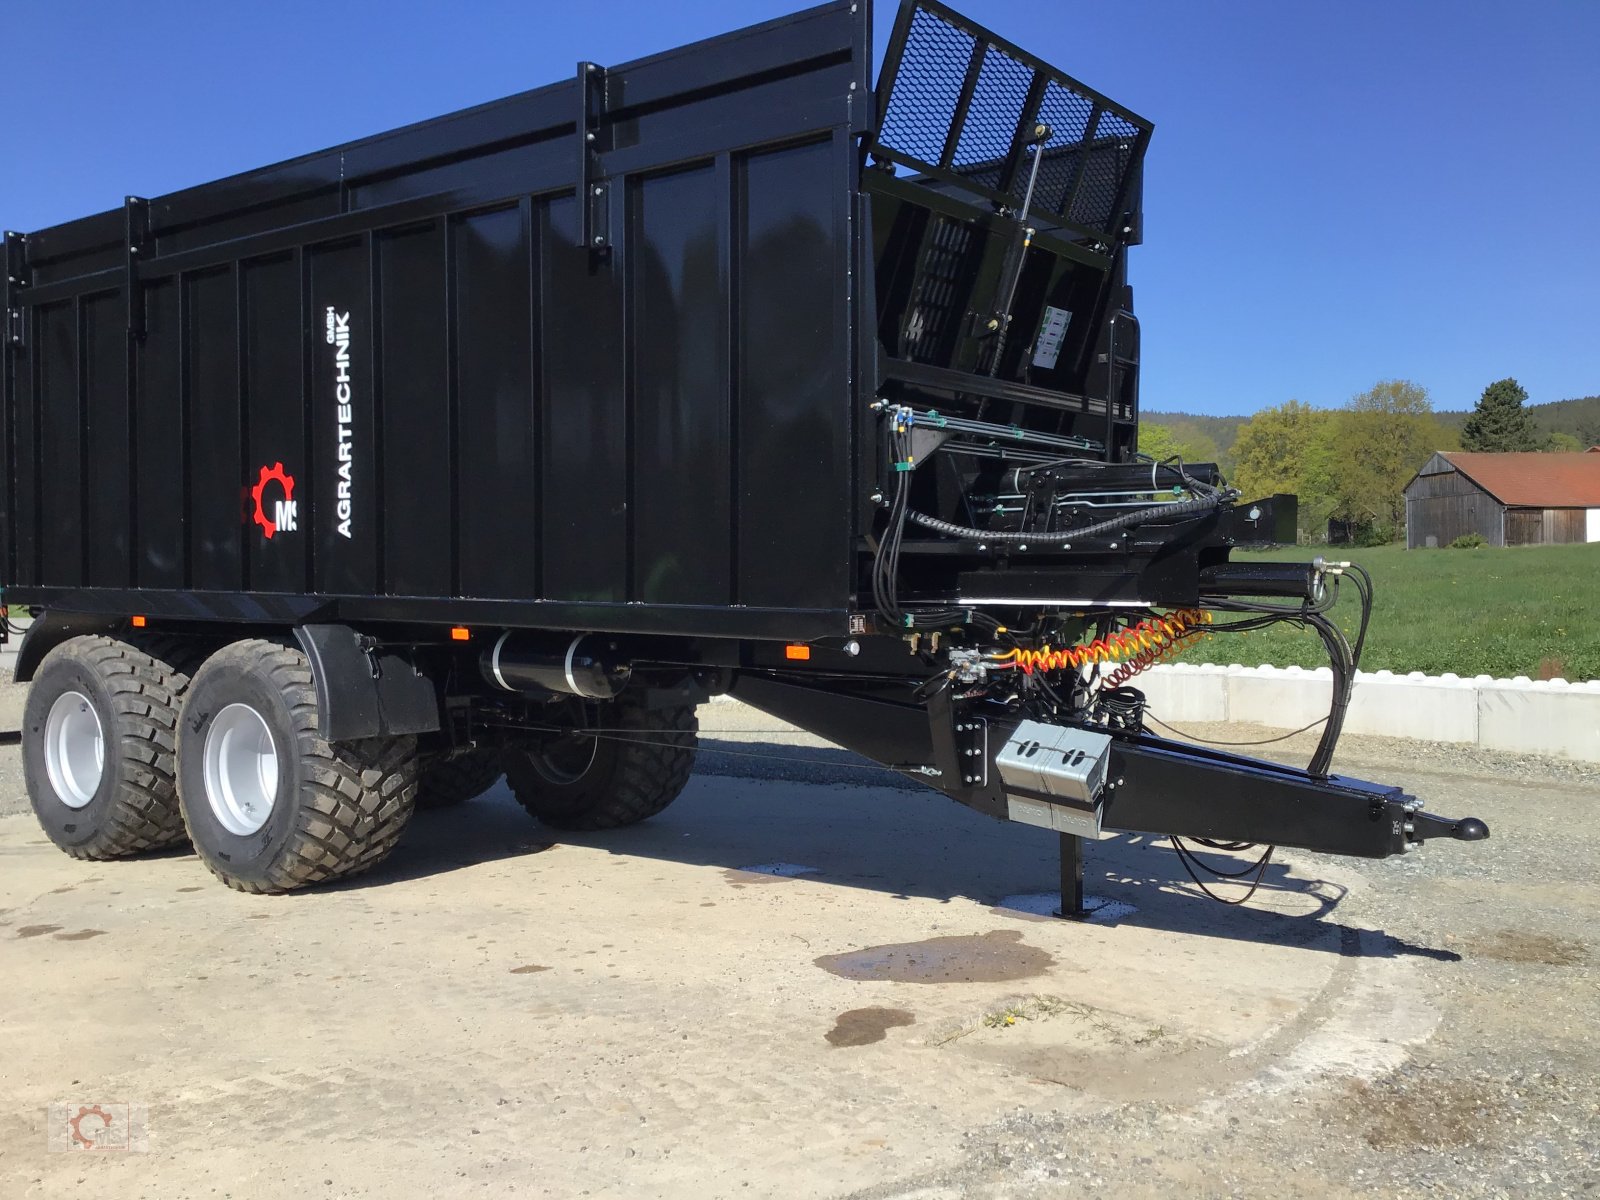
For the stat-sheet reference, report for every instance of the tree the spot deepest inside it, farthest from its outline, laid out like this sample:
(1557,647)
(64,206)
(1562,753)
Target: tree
(1561,443)
(1283,449)
(1184,440)
(1376,444)
(1500,422)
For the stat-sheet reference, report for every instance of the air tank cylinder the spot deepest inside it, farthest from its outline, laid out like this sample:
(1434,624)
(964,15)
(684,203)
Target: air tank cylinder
(574,665)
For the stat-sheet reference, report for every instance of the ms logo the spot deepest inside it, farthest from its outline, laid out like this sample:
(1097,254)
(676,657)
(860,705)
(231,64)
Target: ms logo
(285,517)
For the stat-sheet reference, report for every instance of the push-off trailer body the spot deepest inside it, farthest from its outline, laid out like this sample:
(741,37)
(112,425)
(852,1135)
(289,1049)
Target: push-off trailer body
(498,442)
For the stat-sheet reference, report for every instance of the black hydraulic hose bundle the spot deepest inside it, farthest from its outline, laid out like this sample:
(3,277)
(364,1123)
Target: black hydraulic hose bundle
(886,561)
(1142,516)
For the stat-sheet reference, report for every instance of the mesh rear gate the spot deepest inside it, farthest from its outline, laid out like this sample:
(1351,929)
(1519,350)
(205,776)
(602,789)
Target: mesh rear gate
(960,104)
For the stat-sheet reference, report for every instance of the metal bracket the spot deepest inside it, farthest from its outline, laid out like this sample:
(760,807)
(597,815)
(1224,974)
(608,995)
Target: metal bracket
(16,278)
(136,216)
(972,747)
(594,189)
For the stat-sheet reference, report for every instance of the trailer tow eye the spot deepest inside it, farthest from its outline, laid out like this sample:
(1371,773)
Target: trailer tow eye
(1421,826)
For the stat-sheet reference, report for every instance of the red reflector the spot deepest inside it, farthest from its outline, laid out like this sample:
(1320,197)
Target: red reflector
(797,653)
(139,622)
(461,635)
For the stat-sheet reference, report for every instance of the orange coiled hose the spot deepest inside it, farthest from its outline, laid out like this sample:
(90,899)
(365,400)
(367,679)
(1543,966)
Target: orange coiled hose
(1150,658)
(1147,642)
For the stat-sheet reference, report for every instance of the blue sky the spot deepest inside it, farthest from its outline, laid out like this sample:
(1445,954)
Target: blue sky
(1336,193)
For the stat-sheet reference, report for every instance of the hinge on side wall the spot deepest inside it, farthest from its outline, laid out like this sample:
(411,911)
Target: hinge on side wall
(136,213)
(16,278)
(594,189)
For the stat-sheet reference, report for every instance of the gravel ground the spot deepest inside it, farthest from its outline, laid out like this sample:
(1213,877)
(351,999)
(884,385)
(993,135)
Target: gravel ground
(1502,1101)
(1499,1098)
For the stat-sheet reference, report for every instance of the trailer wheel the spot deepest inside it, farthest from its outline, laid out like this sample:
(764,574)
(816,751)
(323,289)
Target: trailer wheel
(269,804)
(98,735)
(621,764)
(446,782)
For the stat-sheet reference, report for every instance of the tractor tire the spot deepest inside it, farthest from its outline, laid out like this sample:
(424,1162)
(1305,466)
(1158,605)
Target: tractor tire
(621,765)
(447,782)
(98,744)
(270,805)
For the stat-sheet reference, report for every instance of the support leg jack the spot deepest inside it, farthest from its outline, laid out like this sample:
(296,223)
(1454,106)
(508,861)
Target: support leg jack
(1072,908)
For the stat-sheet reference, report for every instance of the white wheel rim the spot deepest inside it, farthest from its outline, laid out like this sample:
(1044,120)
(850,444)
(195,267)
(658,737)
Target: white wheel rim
(74,749)
(241,762)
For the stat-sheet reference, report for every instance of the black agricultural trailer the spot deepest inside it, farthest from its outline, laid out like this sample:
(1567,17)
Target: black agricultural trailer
(499,442)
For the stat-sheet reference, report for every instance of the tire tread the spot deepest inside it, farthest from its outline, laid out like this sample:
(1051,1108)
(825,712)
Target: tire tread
(357,796)
(646,774)
(146,691)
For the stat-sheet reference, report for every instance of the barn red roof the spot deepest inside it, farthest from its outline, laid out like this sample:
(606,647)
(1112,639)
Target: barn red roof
(1534,480)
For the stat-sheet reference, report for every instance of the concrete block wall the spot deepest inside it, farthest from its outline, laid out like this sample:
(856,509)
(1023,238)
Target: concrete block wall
(1549,717)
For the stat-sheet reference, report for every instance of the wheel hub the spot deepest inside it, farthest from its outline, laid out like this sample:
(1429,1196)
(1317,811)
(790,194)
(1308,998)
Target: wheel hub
(565,759)
(241,769)
(74,749)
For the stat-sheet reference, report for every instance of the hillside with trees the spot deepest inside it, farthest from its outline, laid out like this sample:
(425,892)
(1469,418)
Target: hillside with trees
(1577,419)
(1351,464)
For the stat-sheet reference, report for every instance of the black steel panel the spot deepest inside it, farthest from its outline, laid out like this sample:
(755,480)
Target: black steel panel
(218,483)
(273,381)
(682,528)
(632,440)
(497,525)
(216,474)
(23,415)
(795,396)
(471,181)
(417,528)
(343,484)
(708,621)
(584,442)
(160,510)
(77,248)
(61,446)
(1170,787)
(108,465)
(10,339)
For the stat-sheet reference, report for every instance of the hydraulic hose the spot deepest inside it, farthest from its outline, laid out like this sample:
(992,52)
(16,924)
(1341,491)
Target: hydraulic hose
(1110,525)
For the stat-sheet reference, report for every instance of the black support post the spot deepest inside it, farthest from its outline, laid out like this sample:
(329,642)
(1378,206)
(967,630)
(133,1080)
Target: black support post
(1072,908)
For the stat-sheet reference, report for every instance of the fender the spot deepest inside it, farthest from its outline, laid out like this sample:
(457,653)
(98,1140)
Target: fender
(50,629)
(364,689)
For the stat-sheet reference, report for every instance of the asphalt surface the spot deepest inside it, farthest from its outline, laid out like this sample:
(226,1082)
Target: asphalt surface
(802,979)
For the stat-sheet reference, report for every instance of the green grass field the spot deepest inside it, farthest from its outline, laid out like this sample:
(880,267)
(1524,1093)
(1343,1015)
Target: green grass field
(1532,610)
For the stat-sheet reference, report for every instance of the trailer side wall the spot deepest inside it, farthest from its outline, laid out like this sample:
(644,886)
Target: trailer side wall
(393,380)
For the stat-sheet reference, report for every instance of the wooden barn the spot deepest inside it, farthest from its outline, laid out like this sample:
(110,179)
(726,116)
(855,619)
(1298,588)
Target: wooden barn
(1509,499)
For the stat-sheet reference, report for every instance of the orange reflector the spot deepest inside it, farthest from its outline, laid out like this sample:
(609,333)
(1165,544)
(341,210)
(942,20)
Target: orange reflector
(460,634)
(797,653)
(139,622)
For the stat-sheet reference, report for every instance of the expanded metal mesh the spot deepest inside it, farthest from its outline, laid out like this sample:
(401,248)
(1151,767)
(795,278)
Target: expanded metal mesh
(927,88)
(961,106)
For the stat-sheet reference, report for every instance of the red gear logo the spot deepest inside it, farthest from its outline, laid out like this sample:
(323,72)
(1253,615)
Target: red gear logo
(285,481)
(77,1124)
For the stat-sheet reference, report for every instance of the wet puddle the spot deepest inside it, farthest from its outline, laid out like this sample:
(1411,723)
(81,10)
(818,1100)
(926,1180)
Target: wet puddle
(766,873)
(997,957)
(83,935)
(530,969)
(863,1026)
(1516,946)
(36,930)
